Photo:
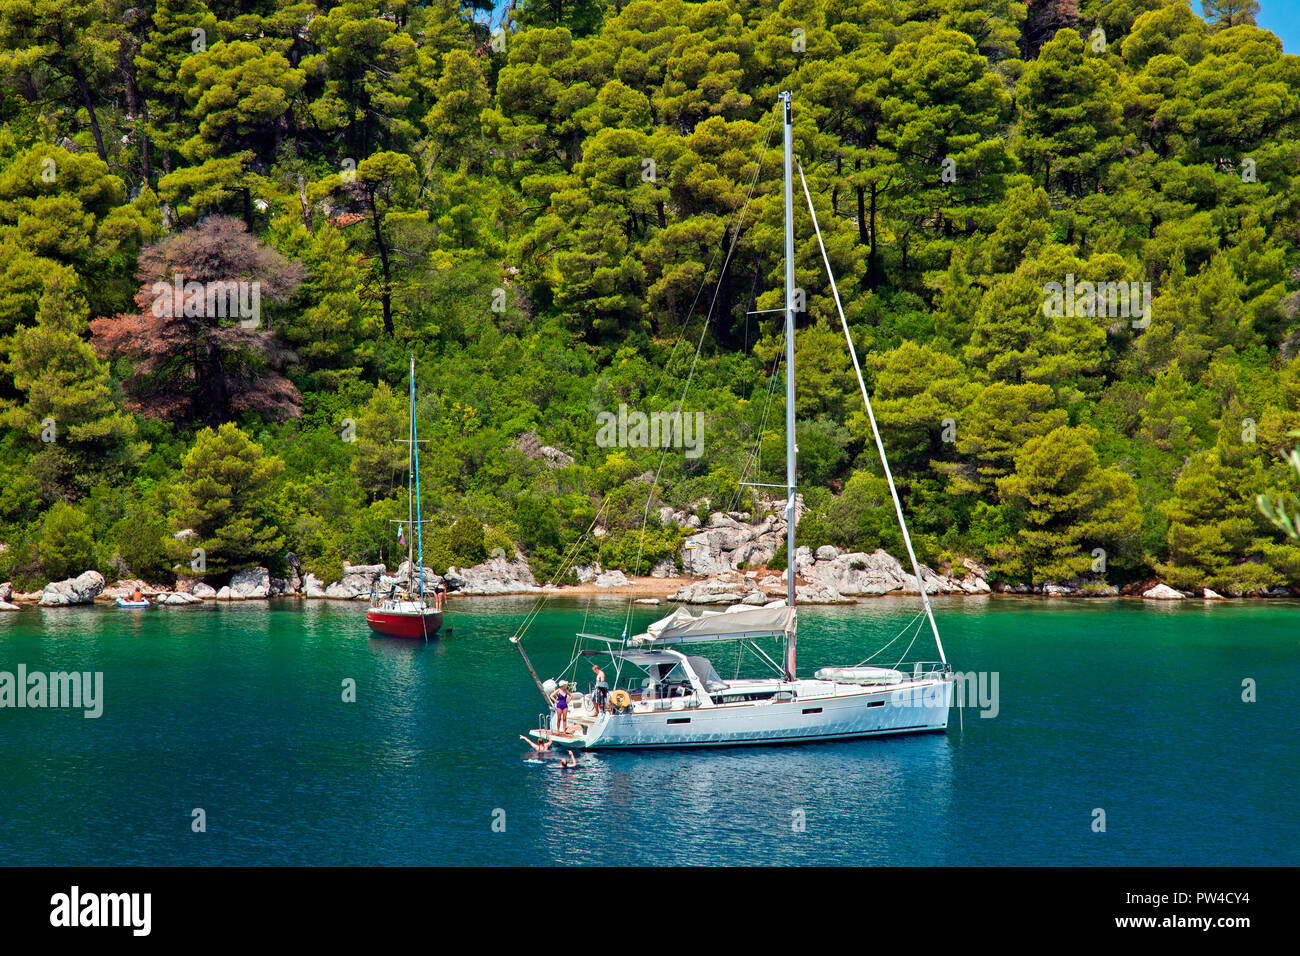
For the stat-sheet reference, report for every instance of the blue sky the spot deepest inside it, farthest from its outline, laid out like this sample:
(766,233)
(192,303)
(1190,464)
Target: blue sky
(1283,18)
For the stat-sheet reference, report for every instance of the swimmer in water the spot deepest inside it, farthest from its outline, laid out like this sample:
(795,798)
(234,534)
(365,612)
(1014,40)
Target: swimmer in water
(569,761)
(541,746)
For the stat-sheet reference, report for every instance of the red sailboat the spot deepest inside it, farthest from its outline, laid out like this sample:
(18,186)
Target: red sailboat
(407,611)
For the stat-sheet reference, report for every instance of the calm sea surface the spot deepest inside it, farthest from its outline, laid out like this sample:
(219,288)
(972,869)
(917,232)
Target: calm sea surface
(1119,705)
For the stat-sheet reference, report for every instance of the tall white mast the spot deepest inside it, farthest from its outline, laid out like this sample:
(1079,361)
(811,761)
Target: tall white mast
(410,489)
(788,175)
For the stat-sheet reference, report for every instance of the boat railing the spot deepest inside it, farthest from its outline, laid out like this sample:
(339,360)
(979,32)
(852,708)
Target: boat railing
(923,670)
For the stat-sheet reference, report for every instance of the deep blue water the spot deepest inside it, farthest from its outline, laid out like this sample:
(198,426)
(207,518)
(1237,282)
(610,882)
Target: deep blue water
(1118,705)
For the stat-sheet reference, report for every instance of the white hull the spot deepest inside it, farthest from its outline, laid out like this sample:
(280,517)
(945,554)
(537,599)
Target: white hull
(821,711)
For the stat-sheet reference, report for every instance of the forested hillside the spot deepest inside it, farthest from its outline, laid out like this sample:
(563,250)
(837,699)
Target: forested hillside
(541,213)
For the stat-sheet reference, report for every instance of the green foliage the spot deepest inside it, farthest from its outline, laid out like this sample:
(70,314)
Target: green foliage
(65,546)
(224,495)
(1067,505)
(465,542)
(545,224)
(1217,535)
(140,540)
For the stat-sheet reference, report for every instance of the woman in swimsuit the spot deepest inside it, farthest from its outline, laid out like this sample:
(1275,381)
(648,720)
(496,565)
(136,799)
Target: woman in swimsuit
(561,698)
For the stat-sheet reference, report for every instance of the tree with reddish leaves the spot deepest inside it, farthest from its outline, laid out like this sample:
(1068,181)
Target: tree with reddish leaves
(201,346)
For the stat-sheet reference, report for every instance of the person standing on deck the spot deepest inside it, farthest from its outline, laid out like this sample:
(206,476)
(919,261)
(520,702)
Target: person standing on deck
(602,690)
(561,700)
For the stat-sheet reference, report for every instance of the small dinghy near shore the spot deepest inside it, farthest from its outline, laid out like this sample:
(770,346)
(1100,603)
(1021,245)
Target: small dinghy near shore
(135,605)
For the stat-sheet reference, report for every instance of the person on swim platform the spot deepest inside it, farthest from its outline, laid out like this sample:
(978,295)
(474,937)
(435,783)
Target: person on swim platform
(602,690)
(560,696)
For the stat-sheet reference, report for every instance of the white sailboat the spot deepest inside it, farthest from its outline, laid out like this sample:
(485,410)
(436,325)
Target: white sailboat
(682,701)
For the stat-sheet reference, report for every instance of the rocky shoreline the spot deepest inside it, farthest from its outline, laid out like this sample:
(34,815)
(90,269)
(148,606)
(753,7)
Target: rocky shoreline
(848,578)
(723,563)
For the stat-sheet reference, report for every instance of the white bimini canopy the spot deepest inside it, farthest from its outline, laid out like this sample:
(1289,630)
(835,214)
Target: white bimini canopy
(736,623)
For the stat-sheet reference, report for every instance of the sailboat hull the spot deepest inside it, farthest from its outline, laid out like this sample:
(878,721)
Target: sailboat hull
(839,713)
(404,624)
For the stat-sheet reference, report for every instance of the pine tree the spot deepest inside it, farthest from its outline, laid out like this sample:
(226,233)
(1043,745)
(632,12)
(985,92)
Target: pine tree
(224,495)
(1067,505)
(70,409)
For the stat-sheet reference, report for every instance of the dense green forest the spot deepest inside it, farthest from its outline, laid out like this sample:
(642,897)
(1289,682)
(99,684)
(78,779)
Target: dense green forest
(541,212)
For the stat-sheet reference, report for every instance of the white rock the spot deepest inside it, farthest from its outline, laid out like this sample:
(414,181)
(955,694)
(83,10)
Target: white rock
(664,569)
(128,586)
(587,572)
(1213,596)
(827,552)
(1163,592)
(726,588)
(494,576)
(83,589)
(250,583)
(431,578)
(859,574)
(612,579)
(312,587)
(201,590)
(340,592)
(819,594)
(362,577)
(6,606)
(223,594)
(646,601)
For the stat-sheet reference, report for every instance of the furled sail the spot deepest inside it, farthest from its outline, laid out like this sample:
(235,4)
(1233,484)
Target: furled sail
(742,621)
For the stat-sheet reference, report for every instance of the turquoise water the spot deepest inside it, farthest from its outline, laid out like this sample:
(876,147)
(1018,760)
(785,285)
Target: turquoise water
(238,710)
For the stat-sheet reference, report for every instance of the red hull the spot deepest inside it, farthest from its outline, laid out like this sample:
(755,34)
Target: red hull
(404,625)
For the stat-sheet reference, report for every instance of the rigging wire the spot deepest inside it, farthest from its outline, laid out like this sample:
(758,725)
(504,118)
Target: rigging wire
(871,417)
(699,346)
(906,627)
(735,235)
(735,232)
(753,458)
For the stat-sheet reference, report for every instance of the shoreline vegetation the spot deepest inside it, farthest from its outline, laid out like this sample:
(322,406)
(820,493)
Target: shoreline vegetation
(1067,236)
